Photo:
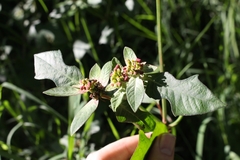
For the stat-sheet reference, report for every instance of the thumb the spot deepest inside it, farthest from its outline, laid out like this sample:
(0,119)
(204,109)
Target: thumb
(162,148)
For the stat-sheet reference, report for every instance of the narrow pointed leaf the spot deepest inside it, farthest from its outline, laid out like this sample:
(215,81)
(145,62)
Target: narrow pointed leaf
(188,96)
(82,115)
(50,65)
(62,91)
(116,100)
(95,72)
(128,54)
(105,73)
(73,105)
(135,92)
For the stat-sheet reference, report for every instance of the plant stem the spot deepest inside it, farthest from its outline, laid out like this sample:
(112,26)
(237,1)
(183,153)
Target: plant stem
(159,40)
(160,54)
(176,121)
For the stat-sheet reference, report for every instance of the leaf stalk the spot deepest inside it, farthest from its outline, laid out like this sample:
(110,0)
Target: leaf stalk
(176,122)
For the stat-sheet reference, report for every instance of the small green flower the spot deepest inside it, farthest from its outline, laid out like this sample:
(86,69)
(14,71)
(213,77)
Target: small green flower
(121,75)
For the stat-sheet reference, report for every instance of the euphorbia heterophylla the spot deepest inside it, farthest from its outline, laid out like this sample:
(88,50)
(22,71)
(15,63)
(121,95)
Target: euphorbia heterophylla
(126,87)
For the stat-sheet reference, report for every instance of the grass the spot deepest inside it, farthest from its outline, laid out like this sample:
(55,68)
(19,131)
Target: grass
(198,37)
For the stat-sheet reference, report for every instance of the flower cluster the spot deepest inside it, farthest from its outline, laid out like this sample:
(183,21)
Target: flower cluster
(90,85)
(134,67)
(121,75)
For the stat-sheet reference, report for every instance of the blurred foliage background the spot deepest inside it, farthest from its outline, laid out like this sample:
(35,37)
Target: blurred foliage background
(199,37)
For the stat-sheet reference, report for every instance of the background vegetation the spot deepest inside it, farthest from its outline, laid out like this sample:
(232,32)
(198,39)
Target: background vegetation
(199,37)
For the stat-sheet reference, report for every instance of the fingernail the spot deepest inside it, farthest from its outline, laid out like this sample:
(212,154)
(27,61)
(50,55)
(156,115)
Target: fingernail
(167,144)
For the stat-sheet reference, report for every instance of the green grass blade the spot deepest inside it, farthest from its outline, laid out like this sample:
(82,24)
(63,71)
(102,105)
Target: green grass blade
(57,157)
(145,17)
(77,22)
(66,30)
(71,144)
(113,128)
(44,6)
(200,138)
(231,17)
(88,123)
(201,34)
(0,93)
(8,107)
(9,156)
(89,38)
(35,99)
(149,33)
(179,75)
(145,7)
(1,110)
(10,135)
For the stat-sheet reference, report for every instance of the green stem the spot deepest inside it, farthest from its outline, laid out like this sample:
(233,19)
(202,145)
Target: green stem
(160,54)
(173,124)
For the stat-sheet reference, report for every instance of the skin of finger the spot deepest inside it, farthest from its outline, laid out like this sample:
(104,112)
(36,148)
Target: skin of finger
(163,148)
(119,150)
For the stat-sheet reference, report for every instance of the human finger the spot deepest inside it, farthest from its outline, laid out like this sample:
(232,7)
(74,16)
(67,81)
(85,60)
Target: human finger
(119,150)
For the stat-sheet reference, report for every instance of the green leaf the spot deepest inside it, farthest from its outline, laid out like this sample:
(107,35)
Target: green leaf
(152,90)
(110,87)
(82,115)
(141,119)
(117,98)
(128,54)
(156,77)
(135,92)
(105,73)
(50,65)
(115,61)
(62,91)
(147,99)
(73,105)
(155,80)
(94,72)
(145,143)
(148,68)
(188,96)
